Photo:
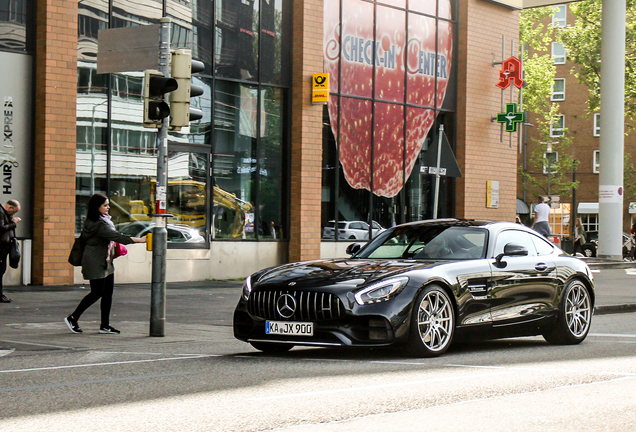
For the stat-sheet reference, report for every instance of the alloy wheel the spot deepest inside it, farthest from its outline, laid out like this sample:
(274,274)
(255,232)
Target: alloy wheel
(578,310)
(435,320)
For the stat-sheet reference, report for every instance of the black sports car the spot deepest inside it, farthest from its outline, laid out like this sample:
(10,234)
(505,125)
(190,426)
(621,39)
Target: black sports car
(422,284)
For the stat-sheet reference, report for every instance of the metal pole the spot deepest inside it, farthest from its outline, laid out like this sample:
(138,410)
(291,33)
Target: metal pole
(160,234)
(610,202)
(439,162)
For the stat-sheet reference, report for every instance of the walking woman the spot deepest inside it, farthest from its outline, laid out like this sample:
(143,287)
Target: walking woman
(99,235)
(579,236)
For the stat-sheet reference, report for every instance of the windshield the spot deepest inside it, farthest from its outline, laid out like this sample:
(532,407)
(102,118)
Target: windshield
(428,242)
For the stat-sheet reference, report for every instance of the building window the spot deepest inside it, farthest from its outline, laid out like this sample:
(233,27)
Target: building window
(590,221)
(558,89)
(560,14)
(597,124)
(596,161)
(550,159)
(557,128)
(558,53)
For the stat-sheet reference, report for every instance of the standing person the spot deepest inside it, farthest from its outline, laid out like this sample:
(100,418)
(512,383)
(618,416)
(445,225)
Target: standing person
(99,235)
(579,236)
(541,222)
(8,222)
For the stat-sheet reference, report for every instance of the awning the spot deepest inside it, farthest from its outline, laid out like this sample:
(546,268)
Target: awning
(522,207)
(587,208)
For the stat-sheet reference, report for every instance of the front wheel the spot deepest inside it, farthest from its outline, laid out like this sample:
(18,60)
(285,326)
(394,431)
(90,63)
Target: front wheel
(272,347)
(574,317)
(432,323)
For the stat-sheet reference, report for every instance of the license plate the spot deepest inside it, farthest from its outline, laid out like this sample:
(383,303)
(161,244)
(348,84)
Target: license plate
(289,328)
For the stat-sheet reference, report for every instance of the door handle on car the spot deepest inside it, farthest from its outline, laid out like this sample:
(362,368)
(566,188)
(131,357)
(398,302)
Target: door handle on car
(543,267)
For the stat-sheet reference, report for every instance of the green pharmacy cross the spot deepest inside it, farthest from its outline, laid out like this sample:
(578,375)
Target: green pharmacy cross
(511,117)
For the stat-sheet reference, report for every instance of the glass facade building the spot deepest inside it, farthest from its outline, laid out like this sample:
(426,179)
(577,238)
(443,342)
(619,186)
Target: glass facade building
(259,179)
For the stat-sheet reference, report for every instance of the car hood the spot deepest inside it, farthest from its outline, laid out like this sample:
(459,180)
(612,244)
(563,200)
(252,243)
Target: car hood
(345,273)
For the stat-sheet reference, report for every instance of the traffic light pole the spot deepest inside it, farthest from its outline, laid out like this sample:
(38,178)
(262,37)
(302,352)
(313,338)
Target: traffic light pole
(160,233)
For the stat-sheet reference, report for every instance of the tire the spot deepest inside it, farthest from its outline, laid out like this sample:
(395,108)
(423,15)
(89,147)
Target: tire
(432,323)
(574,316)
(272,347)
(589,252)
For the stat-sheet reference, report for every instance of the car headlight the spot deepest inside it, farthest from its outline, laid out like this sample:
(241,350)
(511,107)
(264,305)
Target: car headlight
(247,288)
(381,291)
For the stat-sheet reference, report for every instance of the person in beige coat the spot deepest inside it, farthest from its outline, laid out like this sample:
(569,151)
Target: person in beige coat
(100,236)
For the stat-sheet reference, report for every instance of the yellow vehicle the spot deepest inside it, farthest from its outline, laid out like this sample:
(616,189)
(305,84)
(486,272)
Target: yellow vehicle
(186,201)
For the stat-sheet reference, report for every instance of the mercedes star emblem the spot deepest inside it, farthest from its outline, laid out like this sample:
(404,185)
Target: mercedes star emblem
(286,305)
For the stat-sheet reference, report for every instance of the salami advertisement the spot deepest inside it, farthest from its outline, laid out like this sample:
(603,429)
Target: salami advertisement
(382,75)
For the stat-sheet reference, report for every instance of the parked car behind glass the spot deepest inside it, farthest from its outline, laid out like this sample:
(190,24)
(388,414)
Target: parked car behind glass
(176,233)
(351,230)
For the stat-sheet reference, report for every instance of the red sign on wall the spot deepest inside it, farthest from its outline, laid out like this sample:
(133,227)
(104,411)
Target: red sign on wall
(510,71)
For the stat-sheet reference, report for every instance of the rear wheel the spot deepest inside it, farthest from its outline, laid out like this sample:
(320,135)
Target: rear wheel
(588,252)
(432,323)
(574,317)
(272,347)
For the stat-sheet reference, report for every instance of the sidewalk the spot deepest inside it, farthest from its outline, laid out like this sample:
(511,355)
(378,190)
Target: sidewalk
(198,314)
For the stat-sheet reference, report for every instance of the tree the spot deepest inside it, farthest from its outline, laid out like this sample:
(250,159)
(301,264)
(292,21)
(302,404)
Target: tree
(582,42)
(539,76)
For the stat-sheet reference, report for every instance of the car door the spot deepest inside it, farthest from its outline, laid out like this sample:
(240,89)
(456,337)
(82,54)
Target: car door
(522,288)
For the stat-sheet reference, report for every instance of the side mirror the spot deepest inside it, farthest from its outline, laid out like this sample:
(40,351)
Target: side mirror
(511,249)
(353,248)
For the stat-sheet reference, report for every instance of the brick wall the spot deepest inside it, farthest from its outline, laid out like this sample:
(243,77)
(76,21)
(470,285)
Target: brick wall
(306,132)
(55,118)
(480,152)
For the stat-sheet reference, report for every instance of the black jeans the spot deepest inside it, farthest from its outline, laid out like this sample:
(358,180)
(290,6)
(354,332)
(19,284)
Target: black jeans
(3,265)
(100,288)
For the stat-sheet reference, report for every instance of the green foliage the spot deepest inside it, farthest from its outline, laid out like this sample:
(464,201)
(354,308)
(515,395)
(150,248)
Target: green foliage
(539,75)
(582,42)
(560,180)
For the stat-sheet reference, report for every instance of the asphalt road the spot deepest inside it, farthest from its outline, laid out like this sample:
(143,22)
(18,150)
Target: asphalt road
(199,378)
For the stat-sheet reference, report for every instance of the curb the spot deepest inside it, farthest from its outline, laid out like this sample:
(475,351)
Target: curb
(614,309)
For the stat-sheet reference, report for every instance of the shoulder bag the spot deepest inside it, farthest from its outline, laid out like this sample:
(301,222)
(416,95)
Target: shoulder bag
(14,253)
(75,257)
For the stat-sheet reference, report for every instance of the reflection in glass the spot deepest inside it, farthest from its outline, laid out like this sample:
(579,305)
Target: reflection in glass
(236,122)
(192,28)
(133,199)
(275,41)
(236,38)
(14,25)
(128,13)
(271,172)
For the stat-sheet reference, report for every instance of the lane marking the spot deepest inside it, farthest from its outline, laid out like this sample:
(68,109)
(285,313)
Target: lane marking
(531,369)
(78,383)
(378,386)
(6,352)
(108,363)
(595,271)
(613,335)
(630,271)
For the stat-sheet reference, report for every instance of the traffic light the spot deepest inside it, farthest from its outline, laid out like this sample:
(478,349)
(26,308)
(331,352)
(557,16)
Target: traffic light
(155,108)
(181,114)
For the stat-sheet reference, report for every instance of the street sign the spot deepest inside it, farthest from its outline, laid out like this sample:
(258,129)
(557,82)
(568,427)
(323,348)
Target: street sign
(128,49)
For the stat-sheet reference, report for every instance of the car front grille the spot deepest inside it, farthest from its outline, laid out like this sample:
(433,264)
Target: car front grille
(310,305)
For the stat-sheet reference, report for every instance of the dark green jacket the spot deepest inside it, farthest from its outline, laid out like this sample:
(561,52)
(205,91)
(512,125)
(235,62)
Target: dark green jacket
(97,236)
